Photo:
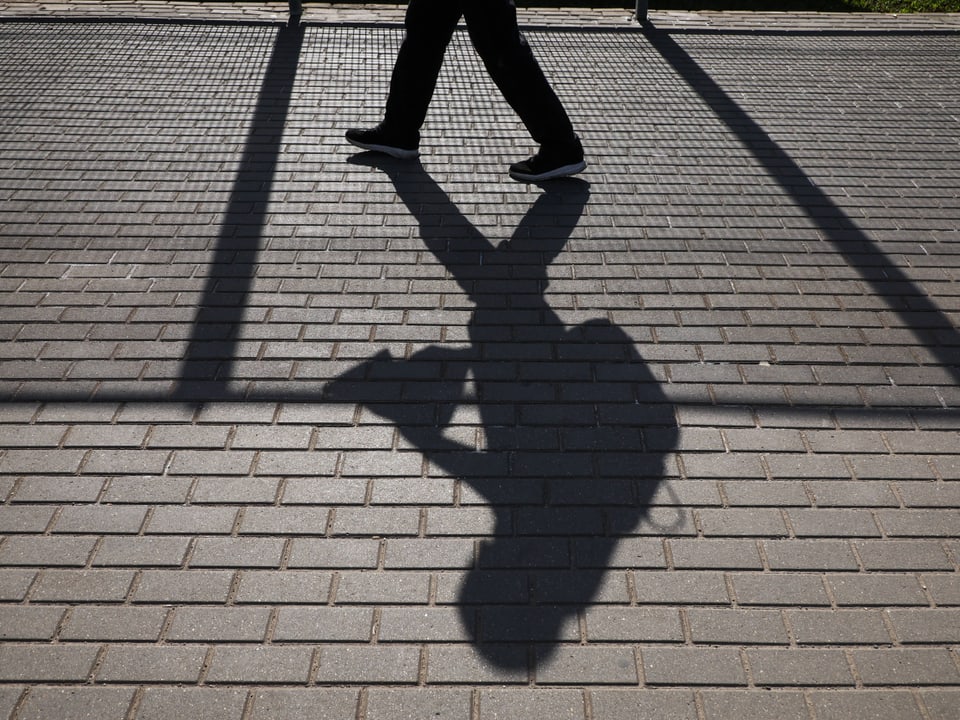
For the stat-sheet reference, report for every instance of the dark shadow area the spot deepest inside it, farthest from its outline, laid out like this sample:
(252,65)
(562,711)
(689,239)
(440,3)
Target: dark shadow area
(212,350)
(564,413)
(904,297)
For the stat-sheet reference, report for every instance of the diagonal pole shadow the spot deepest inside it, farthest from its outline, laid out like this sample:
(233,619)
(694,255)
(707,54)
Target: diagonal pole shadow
(904,297)
(211,352)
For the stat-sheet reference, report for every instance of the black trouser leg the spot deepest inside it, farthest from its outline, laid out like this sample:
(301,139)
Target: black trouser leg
(492,25)
(429,26)
(507,56)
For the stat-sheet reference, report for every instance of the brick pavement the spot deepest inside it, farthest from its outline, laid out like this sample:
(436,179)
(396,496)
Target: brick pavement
(288,432)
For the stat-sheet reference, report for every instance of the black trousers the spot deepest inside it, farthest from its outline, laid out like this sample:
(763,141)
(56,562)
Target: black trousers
(492,25)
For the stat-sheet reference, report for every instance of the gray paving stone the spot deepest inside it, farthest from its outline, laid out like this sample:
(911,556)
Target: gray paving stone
(376,521)
(41,551)
(334,553)
(82,586)
(218,624)
(29,622)
(58,489)
(139,663)
(398,664)
(429,553)
(14,584)
(319,703)
(633,624)
(798,667)
(622,704)
(323,624)
(715,553)
(274,587)
(191,519)
(944,588)
(692,666)
(775,493)
(876,589)
(605,665)
(117,551)
(324,491)
(231,490)
(488,664)
(287,520)
(259,664)
(90,623)
(189,436)
(77,703)
(892,467)
(203,703)
(25,519)
(765,522)
(383,587)
(412,703)
(941,522)
(929,494)
(204,462)
(740,627)
(833,523)
(35,663)
(494,586)
(125,462)
(720,704)
(544,624)
(248,552)
(407,491)
(420,624)
(101,519)
(291,463)
(183,586)
(847,703)
(904,666)
(816,554)
(940,704)
(780,589)
(838,627)
(118,436)
(560,704)
(681,587)
(275,437)
(902,555)
(147,490)
(854,493)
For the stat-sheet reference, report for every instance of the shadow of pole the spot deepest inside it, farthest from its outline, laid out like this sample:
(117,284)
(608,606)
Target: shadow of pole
(914,306)
(211,352)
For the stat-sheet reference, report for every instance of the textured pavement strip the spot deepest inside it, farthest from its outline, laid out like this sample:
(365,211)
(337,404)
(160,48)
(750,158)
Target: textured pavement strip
(286,434)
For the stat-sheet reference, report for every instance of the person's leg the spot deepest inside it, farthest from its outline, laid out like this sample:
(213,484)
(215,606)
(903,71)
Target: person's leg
(429,26)
(509,60)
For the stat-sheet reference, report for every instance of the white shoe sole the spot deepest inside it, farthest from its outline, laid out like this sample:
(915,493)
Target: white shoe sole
(562,171)
(392,151)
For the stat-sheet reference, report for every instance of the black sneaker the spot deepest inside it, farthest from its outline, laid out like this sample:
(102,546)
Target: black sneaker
(550,163)
(379,139)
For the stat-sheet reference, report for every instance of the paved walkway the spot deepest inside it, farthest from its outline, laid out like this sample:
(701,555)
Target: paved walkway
(292,433)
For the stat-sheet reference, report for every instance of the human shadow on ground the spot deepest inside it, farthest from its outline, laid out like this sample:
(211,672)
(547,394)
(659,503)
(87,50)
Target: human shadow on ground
(574,425)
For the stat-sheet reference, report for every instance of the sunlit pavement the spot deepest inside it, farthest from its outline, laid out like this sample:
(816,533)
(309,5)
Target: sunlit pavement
(288,431)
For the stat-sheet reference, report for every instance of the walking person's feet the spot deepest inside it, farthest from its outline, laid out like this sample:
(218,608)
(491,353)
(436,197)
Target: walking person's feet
(382,139)
(551,162)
